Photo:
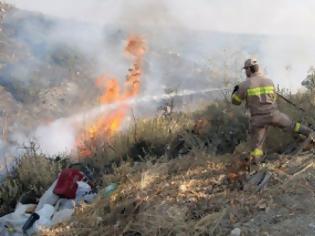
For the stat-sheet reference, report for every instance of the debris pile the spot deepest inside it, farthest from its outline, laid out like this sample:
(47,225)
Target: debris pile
(55,206)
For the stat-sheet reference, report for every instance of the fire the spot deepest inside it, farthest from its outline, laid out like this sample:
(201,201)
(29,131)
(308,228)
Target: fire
(106,126)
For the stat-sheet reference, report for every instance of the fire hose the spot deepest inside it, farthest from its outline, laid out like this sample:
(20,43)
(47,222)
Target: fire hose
(305,117)
(290,102)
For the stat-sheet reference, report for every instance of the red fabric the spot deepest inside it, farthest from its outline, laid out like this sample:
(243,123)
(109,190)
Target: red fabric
(66,186)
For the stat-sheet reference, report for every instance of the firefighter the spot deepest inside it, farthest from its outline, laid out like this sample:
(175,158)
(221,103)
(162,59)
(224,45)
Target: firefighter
(259,94)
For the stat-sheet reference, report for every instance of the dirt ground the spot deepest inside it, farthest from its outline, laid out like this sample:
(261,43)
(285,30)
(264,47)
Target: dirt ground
(289,200)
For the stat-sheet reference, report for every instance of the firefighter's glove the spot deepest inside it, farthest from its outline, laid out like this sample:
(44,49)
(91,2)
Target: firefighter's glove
(236,88)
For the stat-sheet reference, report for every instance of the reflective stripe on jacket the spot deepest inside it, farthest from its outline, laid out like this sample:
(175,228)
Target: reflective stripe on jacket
(259,94)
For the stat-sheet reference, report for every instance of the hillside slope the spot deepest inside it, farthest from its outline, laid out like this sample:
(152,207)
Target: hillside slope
(171,170)
(189,196)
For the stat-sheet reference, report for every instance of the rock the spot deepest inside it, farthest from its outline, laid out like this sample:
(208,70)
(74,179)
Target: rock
(311,225)
(221,179)
(258,181)
(183,188)
(235,232)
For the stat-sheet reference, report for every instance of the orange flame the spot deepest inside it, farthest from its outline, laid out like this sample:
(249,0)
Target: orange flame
(106,126)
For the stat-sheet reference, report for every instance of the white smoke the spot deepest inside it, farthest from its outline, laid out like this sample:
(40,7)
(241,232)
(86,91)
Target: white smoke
(60,136)
(287,59)
(247,16)
(291,21)
(283,30)
(56,138)
(239,16)
(10,148)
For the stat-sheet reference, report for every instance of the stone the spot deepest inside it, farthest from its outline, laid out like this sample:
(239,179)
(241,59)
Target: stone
(311,225)
(235,232)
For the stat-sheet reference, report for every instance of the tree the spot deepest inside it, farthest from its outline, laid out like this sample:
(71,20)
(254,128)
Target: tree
(309,81)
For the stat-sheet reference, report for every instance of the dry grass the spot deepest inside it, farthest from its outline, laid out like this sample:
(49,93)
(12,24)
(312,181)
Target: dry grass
(188,196)
(156,199)
(146,138)
(158,195)
(33,171)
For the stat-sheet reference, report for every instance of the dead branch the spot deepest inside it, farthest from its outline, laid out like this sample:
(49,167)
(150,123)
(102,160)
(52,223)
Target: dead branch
(218,221)
(291,177)
(135,126)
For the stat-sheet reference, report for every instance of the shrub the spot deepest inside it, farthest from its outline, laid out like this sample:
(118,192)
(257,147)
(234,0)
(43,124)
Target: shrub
(32,172)
(216,130)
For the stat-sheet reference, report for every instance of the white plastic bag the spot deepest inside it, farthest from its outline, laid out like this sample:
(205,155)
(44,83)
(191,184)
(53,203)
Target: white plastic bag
(48,197)
(15,219)
(62,216)
(45,214)
(83,189)
(20,209)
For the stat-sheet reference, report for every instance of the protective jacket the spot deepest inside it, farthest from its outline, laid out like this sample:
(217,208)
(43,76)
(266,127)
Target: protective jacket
(259,94)
(260,97)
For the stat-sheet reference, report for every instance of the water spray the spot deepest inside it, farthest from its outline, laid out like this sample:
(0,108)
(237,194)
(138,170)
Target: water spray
(60,135)
(97,111)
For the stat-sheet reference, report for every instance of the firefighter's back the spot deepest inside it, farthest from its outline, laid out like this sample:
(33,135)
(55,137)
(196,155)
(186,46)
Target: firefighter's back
(261,95)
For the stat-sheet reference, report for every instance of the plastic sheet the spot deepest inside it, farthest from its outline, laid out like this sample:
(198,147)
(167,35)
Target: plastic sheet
(51,209)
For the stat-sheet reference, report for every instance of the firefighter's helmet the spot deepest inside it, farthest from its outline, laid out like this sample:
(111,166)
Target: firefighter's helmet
(250,62)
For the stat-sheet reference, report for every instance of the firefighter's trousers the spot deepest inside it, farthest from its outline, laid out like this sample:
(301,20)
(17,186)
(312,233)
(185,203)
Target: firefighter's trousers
(259,125)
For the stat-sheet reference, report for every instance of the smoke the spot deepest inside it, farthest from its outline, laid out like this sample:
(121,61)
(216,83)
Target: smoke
(193,44)
(102,12)
(247,16)
(286,26)
(287,59)
(60,136)
(56,138)
(10,148)
(240,16)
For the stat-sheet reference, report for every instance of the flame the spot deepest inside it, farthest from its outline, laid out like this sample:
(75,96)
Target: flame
(106,126)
